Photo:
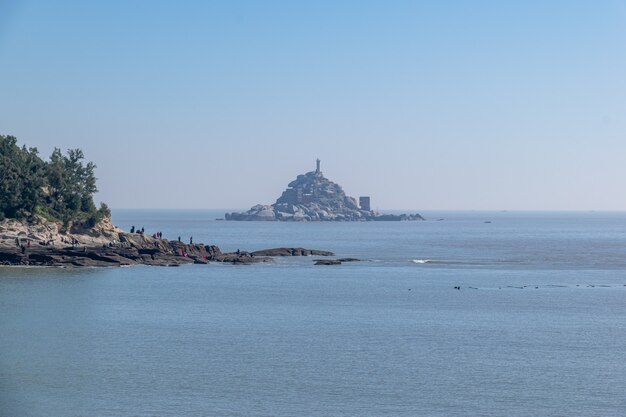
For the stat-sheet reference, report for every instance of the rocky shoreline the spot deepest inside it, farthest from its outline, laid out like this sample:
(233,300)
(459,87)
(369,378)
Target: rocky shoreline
(140,250)
(47,244)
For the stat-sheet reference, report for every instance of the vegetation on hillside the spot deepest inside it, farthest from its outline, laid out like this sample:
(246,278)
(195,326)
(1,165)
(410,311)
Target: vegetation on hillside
(60,189)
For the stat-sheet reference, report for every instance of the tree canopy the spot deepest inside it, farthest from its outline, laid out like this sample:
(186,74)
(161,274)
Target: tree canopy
(60,189)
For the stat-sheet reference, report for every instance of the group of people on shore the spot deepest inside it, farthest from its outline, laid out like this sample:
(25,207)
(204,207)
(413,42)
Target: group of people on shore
(157,235)
(138,231)
(190,240)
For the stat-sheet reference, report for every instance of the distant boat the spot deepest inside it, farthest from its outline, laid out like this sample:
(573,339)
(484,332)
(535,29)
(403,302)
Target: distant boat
(219,218)
(487,221)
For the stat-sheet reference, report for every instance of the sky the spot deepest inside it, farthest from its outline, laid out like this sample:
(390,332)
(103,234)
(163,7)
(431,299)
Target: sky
(422,105)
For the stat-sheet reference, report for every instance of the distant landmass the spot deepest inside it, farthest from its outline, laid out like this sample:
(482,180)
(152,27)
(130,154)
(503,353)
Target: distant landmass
(313,197)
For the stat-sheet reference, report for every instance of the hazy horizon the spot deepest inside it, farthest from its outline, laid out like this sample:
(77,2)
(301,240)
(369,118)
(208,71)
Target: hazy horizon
(436,106)
(382,209)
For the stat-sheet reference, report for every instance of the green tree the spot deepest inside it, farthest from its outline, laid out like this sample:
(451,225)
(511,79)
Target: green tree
(21,178)
(61,189)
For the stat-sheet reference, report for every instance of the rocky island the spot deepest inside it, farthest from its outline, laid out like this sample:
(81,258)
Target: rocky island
(313,197)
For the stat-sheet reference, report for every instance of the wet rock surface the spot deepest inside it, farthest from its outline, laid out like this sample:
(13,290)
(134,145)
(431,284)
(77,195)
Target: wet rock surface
(337,261)
(327,262)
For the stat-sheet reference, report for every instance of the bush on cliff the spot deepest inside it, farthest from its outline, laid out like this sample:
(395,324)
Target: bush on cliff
(60,189)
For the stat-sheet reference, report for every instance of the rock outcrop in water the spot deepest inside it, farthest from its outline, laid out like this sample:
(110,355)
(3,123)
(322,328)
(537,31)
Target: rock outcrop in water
(313,197)
(291,252)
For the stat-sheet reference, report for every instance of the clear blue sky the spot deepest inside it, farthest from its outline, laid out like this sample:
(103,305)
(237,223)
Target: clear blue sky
(422,105)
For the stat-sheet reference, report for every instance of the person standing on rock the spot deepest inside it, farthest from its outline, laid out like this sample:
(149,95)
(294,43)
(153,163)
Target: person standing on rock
(191,240)
(179,239)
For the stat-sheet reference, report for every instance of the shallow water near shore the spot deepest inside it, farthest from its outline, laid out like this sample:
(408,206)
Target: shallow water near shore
(537,327)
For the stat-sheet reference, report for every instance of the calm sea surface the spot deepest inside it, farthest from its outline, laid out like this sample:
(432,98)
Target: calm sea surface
(538,327)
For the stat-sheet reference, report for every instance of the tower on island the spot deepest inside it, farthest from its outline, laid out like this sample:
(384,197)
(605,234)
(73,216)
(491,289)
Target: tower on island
(364,203)
(317,168)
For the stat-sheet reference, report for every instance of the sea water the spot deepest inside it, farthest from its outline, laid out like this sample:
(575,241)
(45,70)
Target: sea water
(537,328)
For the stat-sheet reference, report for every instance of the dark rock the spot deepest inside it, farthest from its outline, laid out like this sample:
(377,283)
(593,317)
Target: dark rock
(340,260)
(9,258)
(328,262)
(291,252)
(247,260)
(212,250)
(148,251)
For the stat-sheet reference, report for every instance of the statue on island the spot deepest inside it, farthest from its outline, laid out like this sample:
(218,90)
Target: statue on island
(312,197)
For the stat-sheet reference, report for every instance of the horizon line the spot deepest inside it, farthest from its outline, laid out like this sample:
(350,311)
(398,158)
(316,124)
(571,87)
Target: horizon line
(402,209)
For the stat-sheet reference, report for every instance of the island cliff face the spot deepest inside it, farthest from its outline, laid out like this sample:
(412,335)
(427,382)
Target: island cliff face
(313,197)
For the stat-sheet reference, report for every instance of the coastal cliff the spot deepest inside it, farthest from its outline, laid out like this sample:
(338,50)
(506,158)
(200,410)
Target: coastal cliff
(313,197)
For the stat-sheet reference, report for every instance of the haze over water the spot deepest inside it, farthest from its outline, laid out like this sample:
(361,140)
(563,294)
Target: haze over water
(537,328)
